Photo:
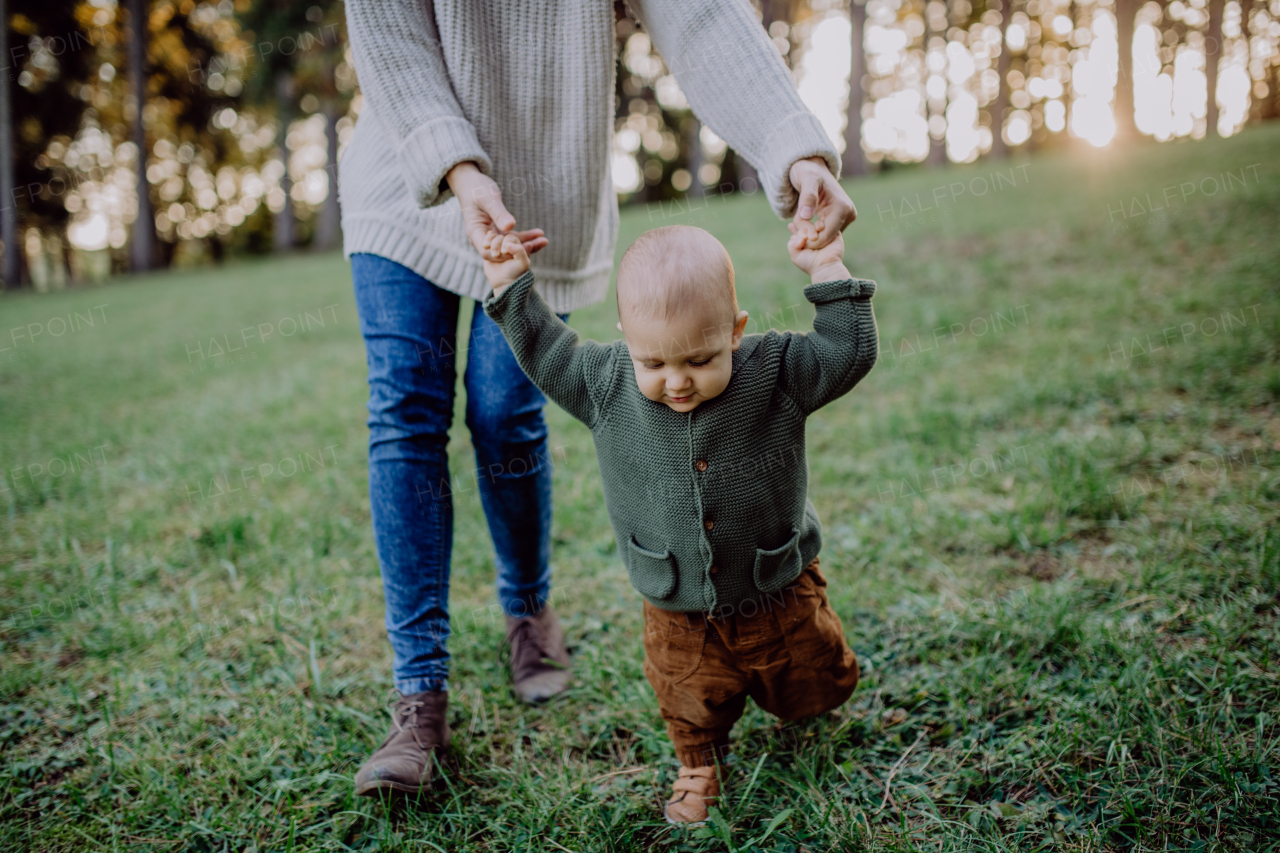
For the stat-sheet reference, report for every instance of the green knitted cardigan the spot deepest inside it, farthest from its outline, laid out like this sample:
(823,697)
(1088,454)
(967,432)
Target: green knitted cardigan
(709,507)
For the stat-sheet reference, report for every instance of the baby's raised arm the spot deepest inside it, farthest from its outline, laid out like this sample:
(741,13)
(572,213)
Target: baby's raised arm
(822,365)
(547,350)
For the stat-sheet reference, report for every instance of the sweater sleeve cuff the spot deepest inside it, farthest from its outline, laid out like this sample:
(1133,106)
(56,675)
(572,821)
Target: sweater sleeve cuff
(427,155)
(799,137)
(497,305)
(849,288)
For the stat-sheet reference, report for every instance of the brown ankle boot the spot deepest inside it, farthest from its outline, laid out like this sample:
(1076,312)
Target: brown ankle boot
(539,659)
(407,758)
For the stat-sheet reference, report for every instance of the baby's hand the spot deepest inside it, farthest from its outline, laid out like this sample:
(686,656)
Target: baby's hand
(825,264)
(505,258)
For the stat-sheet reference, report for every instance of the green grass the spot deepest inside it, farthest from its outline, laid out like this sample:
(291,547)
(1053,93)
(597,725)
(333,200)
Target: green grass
(1054,548)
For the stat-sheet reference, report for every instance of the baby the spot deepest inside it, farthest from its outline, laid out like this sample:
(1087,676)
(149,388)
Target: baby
(699,430)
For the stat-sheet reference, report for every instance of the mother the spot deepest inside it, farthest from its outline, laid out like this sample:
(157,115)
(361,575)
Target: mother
(480,114)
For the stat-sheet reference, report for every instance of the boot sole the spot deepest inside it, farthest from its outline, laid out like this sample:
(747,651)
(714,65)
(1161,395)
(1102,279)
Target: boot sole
(693,823)
(538,697)
(377,788)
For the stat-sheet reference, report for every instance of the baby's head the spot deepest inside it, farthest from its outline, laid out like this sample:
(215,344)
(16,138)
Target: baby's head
(679,314)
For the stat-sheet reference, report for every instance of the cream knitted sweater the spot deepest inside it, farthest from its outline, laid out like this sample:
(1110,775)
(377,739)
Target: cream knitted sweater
(526,90)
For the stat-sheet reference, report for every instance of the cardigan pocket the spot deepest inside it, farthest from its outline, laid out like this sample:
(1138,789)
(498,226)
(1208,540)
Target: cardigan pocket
(653,573)
(776,568)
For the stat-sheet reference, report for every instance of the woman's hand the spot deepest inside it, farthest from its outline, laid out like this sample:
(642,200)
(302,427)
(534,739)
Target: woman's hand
(482,210)
(821,194)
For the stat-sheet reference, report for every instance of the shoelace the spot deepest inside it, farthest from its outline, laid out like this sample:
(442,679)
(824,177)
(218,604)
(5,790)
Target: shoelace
(405,711)
(526,645)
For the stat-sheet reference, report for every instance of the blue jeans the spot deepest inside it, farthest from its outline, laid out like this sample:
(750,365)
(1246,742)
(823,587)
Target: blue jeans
(410,333)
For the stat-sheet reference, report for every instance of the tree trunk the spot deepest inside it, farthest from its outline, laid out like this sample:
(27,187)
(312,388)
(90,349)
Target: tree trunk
(282,227)
(67,250)
(999,150)
(748,177)
(1213,51)
(1246,32)
(1125,12)
(694,135)
(1259,108)
(11,260)
(1270,107)
(854,161)
(937,147)
(168,248)
(144,226)
(329,229)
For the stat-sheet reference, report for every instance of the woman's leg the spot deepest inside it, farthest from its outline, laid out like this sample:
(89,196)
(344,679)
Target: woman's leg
(410,332)
(513,466)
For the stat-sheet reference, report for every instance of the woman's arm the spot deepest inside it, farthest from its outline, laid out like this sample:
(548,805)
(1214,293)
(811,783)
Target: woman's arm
(576,374)
(403,76)
(738,85)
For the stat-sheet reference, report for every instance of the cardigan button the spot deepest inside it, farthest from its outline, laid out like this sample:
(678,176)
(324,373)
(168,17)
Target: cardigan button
(701,464)
(715,569)
(708,524)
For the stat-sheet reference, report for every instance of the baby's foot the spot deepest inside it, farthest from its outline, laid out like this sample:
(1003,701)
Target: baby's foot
(695,789)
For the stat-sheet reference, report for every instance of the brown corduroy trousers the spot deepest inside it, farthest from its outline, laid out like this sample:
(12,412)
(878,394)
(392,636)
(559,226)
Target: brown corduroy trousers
(786,651)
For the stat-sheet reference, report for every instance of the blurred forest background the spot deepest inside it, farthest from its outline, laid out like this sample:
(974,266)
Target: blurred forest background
(241,109)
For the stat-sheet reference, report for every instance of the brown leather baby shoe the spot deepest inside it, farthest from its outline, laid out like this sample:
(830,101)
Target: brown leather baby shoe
(407,758)
(695,789)
(539,659)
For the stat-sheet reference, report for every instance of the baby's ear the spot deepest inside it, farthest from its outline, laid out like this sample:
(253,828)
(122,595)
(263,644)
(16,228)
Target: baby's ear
(739,328)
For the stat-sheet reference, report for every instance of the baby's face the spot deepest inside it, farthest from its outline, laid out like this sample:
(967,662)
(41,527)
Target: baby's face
(685,362)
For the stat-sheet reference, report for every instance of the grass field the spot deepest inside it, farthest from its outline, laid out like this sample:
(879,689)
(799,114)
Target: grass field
(1050,529)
